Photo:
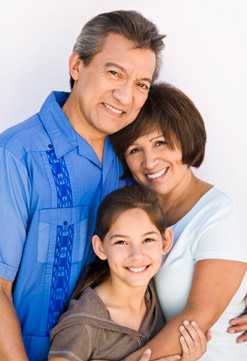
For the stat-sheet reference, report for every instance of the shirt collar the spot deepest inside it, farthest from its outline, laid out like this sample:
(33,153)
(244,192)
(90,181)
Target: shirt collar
(57,125)
(63,136)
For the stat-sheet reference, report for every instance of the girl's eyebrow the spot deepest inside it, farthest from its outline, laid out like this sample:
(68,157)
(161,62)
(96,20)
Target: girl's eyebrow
(125,236)
(119,236)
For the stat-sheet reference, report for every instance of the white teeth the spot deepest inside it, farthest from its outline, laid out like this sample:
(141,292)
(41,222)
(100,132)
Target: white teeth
(117,111)
(157,174)
(135,269)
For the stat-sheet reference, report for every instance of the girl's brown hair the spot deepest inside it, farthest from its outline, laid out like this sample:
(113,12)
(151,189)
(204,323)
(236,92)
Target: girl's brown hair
(110,209)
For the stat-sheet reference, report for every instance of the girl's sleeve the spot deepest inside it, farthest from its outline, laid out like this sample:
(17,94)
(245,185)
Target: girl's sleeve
(72,342)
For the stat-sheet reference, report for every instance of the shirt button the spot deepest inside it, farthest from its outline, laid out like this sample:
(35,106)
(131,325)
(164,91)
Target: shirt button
(65,223)
(50,146)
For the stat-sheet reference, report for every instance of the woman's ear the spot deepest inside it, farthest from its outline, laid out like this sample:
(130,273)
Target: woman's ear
(74,66)
(98,247)
(167,240)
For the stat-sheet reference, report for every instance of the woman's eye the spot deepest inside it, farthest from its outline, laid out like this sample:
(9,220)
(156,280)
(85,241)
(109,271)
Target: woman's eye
(159,143)
(133,151)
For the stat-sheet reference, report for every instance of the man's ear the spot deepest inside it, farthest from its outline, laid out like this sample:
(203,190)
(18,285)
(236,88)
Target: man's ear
(167,240)
(98,247)
(75,64)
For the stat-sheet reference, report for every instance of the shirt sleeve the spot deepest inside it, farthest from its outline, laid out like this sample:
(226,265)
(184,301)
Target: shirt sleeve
(73,342)
(220,237)
(14,201)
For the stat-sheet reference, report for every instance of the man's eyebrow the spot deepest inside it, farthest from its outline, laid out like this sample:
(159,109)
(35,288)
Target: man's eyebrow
(109,64)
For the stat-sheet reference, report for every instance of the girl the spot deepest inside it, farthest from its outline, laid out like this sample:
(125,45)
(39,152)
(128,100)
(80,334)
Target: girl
(115,310)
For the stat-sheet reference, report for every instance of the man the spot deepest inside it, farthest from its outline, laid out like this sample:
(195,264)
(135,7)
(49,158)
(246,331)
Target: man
(54,170)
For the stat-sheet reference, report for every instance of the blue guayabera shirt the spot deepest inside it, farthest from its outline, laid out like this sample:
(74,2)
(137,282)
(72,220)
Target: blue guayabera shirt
(51,183)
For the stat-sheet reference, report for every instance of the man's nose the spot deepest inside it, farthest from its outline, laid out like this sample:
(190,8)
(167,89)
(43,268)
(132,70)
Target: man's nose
(124,93)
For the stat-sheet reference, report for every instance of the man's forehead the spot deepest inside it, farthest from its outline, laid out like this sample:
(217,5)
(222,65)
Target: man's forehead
(123,52)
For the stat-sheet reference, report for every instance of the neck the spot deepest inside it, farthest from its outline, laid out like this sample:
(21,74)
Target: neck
(183,197)
(121,295)
(81,126)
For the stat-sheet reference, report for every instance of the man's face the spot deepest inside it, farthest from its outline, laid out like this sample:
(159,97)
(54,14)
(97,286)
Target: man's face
(110,91)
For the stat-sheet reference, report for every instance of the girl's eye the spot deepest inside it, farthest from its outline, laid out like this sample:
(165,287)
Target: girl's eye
(120,242)
(149,240)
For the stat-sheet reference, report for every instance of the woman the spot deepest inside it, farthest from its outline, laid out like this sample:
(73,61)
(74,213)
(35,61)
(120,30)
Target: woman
(203,278)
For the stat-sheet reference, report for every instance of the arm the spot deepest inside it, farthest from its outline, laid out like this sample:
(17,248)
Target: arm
(214,284)
(14,193)
(11,345)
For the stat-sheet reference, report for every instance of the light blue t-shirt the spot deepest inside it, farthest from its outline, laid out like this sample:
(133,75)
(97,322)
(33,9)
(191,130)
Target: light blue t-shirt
(208,231)
(51,183)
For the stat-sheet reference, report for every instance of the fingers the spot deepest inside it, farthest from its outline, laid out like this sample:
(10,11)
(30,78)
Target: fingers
(239,321)
(242,338)
(238,324)
(193,341)
(146,356)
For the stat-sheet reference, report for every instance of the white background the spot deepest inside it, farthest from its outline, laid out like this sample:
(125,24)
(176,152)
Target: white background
(205,55)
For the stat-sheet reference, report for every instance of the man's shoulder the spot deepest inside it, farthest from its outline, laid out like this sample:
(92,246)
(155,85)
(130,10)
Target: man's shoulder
(23,137)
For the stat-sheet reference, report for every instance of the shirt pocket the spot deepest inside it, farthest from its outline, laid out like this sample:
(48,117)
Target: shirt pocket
(62,232)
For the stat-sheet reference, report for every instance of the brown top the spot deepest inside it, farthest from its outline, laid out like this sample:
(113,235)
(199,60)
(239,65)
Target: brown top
(86,331)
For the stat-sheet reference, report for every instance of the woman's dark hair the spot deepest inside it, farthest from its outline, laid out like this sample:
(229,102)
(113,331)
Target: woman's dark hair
(170,110)
(110,209)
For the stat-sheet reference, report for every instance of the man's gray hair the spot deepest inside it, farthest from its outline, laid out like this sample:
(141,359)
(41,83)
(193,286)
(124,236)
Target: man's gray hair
(130,24)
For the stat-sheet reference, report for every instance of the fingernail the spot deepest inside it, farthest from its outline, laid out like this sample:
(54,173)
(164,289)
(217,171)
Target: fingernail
(193,323)
(181,328)
(186,322)
(147,351)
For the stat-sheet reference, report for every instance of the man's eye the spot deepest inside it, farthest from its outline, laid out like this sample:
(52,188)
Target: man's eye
(114,73)
(143,86)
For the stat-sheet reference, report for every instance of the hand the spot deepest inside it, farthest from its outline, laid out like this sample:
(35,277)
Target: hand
(239,324)
(193,341)
(146,356)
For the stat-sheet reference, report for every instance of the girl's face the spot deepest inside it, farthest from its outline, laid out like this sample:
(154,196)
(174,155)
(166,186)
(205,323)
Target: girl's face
(155,165)
(133,248)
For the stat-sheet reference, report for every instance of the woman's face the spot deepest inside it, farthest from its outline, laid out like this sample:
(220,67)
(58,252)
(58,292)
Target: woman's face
(155,165)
